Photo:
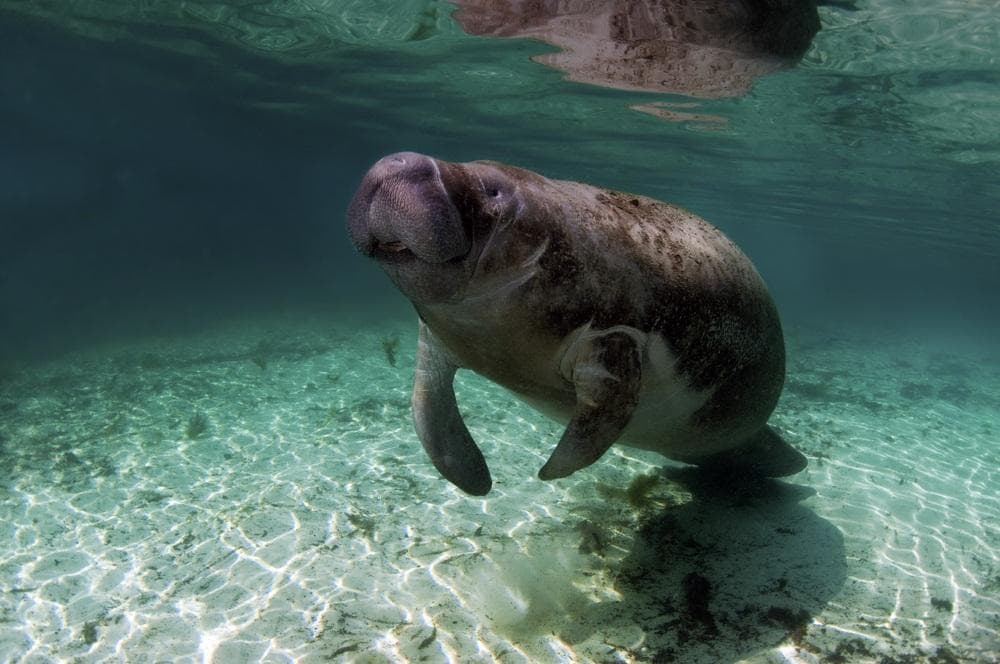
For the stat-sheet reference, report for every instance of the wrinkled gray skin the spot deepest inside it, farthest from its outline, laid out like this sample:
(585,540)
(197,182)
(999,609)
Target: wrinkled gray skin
(621,316)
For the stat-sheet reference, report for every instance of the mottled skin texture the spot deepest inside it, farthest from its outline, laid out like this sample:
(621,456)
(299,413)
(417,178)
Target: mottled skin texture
(628,318)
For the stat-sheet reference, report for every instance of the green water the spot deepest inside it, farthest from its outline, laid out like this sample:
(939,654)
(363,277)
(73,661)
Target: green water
(206,448)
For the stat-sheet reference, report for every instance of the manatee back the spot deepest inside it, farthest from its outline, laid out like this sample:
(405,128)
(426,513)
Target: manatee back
(624,259)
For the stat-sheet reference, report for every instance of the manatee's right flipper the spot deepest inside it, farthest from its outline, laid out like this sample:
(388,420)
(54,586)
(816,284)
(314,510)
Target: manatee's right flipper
(606,373)
(439,424)
(766,454)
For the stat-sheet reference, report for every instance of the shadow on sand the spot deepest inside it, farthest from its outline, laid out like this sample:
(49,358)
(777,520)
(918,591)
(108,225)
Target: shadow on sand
(738,569)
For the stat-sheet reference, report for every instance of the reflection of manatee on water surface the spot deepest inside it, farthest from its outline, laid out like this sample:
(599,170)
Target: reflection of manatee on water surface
(621,316)
(700,48)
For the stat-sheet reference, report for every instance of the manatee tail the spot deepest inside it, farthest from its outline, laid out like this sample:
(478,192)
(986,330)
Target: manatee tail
(765,454)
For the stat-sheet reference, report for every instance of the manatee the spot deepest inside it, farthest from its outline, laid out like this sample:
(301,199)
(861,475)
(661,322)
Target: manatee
(626,318)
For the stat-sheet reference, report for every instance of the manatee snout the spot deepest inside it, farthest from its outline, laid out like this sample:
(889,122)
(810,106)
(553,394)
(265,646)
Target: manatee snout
(402,210)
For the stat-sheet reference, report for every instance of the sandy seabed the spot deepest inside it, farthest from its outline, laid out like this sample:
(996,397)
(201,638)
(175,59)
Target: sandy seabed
(256,493)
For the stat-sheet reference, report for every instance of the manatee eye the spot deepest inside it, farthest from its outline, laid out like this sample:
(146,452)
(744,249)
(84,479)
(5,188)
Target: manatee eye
(494,190)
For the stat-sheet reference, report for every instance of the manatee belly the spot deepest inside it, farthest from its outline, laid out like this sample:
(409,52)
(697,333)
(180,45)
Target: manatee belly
(663,419)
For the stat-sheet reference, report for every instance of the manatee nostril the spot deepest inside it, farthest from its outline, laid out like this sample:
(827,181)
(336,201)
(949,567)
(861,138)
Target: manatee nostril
(405,162)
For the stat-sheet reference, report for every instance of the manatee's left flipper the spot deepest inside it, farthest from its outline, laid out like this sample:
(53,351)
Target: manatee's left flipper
(439,424)
(606,372)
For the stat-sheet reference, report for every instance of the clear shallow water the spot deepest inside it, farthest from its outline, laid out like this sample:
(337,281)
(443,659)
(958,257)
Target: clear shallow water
(172,244)
(304,523)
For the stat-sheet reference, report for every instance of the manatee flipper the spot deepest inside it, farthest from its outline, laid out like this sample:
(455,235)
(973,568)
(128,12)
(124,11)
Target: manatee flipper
(765,454)
(606,373)
(439,424)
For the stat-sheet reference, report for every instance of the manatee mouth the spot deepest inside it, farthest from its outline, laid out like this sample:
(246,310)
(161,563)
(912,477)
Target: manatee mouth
(392,251)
